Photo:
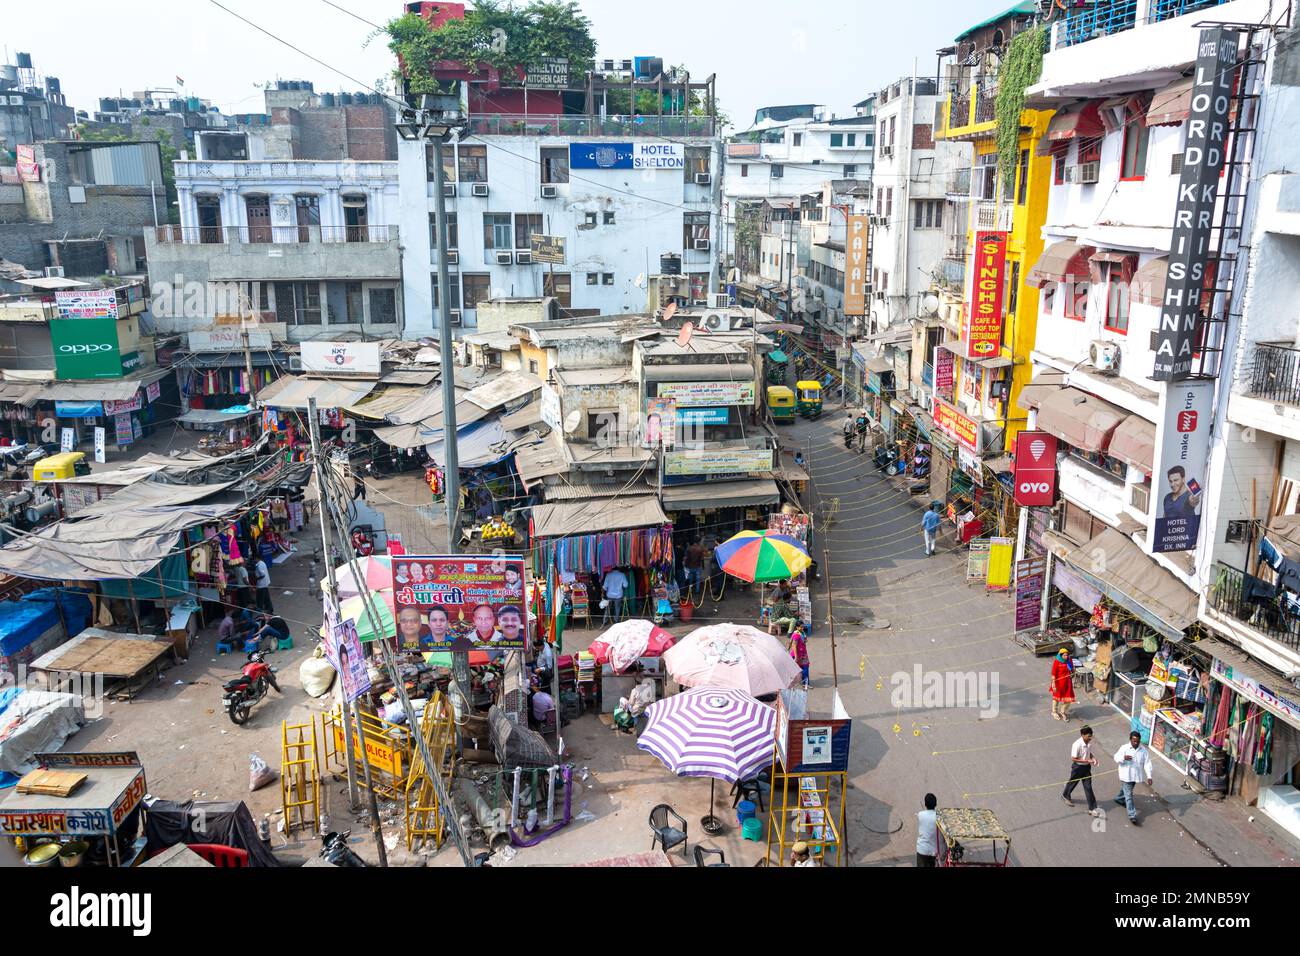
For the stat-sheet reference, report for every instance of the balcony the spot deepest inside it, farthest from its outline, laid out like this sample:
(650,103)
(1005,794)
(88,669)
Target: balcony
(290,170)
(272,235)
(1106,17)
(510,124)
(1252,601)
(1274,373)
(991,214)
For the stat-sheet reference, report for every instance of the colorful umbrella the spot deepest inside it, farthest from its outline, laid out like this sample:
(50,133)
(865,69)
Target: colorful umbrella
(629,640)
(762,556)
(355,609)
(444,658)
(377,572)
(732,655)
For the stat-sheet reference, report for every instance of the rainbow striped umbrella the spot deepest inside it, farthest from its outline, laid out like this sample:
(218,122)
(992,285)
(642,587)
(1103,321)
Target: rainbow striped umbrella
(762,556)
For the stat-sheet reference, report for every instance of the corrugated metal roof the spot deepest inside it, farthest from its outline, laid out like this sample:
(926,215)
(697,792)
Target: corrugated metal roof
(577,489)
(603,514)
(615,375)
(506,388)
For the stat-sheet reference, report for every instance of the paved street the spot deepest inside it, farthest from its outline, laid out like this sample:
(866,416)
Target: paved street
(895,608)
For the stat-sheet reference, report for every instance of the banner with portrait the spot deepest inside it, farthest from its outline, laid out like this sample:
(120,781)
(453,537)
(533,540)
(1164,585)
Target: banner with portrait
(460,602)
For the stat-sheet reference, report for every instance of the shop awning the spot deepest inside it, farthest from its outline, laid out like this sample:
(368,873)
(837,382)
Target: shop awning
(1082,420)
(1044,384)
(1134,442)
(1148,285)
(477,445)
(1082,121)
(1250,673)
(776,355)
(530,416)
(591,517)
(107,390)
(721,494)
(214,416)
(506,388)
(996,361)
(1065,261)
(879,365)
(1130,577)
(20,393)
(714,372)
(1172,105)
(537,461)
(391,399)
(293,392)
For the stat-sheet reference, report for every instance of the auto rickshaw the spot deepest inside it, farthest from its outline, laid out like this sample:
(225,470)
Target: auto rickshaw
(810,399)
(69,464)
(781,401)
(777,363)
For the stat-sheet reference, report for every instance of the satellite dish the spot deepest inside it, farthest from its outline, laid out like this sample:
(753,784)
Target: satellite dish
(684,336)
(669,311)
(572,421)
(930,305)
(639,281)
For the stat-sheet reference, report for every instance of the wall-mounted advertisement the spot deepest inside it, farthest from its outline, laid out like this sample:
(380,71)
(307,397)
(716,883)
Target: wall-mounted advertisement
(1183,438)
(688,394)
(660,422)
(956,426)
(984,332)
(855,265)
(738,461)
(645,156)
(341,358)
(86,304)
(460,603)
(86,348)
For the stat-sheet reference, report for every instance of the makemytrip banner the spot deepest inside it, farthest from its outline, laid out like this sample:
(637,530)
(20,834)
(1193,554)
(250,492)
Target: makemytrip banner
(460,603)
(984,335)
(1183,438)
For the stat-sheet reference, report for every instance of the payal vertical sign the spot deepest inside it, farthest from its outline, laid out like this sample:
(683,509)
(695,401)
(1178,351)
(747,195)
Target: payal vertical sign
(1183,437)
(984,334)
(1198,190)
(855,266)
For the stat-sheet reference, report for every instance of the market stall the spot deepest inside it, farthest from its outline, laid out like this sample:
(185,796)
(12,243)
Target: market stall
(121,661)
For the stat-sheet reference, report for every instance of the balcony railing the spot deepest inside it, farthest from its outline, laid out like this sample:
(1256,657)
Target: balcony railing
(1254,602)
(274,235)
(958,111)
(994,215)
(1104,17)
(1275,373)
(510,124)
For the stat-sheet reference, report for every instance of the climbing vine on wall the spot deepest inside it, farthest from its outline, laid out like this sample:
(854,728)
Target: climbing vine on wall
(1019,70)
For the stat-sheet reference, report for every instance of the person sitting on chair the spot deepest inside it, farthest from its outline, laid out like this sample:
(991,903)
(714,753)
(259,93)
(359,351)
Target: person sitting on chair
(783,616)
(275,629)
(544,665)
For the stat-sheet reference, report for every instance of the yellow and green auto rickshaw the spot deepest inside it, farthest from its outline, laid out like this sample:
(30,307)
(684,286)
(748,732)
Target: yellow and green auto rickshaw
(810,399)
(781,401)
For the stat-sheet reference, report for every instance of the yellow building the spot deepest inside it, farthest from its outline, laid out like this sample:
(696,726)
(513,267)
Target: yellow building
(985,390)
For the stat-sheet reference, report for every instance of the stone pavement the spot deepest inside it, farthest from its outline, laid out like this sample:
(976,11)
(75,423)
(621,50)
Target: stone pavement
(895,609)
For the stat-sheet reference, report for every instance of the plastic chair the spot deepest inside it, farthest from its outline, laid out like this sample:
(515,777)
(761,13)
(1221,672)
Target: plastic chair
(285,643)
(252,644)
(221,856)
(748,790)
(664,832)
(225,647)
(701,852)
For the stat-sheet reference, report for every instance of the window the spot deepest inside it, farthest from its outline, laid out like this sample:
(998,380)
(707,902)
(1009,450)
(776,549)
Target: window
(527,224)
(778,171)
(695,226)
(1049,299)
(837,139)
(697,161)
(298,303)
(555,164)
(352,308)
(609,219)
(1058,167)
(798,139)
(893,127)
(889,201)
(1116,301)
(880,198)
(532,366)
(478,288)
(355,218)
(1090,150)
(884,282)
(589,219)
(453,284)
(1076,300)
(607,278)
(744,170)
(472,164)
(1022,176)
(593,278)
(559,285)
(928,214)
(851,139)
(1013,295)
(986,176)
(1136,135)
(448,164)
(453,231)
(496,231)
(850,171)
(383,306)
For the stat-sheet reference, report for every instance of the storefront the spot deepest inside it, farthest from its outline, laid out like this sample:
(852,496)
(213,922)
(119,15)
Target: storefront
(127,409)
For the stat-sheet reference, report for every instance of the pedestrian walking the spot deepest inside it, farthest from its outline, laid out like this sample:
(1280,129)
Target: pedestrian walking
(1134,764)
(930,522)
(799,651)
(693,562)
(1081,763)
(358,488)
(262,581)
(927,833)
(1062,685)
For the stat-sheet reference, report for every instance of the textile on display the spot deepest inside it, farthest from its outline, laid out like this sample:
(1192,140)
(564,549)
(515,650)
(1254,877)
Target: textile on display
(647,548)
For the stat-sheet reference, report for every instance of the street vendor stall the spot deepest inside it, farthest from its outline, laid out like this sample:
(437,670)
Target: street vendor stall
(101,808)
(121,660)
(961,830)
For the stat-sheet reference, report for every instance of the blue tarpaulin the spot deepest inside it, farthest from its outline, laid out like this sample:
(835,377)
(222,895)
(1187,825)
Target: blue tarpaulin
(25,620)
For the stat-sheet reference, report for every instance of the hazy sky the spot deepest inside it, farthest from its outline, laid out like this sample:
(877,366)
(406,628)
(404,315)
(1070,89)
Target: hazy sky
(817,51)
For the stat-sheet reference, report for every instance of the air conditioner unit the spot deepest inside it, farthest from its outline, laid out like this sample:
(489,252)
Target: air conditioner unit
(523,258)
(295,363)
(53,272)
(550,192)
(719,300)
(455,316)
(818,292)
(453,257)
(480,190)
(716,321)
(703,179)
(1083,173)
(701,245)
(1140,497)
(886,152)
(449,190)
(1176,164)
(1104,356)
(504,258)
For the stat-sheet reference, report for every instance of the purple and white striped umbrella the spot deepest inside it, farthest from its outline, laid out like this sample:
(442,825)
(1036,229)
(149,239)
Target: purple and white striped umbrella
(717,732)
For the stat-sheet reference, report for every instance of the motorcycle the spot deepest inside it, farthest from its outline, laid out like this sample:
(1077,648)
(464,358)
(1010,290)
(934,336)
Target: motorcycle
(884,457)
(335,850)
(247,689)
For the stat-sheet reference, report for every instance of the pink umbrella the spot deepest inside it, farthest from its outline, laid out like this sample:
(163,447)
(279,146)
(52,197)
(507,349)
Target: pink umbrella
(629,640)
(732,655)
(378,573)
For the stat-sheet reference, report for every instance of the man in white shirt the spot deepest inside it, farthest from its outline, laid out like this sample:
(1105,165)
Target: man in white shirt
(1081,763)
(615,586)
(1134,764)
(927,844)
(262,581)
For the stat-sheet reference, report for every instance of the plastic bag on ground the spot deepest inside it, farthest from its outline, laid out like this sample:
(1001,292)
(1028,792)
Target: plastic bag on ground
(259,774)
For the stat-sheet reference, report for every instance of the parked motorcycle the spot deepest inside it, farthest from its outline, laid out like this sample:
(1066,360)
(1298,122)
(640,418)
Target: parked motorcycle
(335,849)
(247,689)
(884,457)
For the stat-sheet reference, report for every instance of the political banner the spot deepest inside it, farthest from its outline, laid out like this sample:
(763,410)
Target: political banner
(660,422)
(460,602)
(350,661)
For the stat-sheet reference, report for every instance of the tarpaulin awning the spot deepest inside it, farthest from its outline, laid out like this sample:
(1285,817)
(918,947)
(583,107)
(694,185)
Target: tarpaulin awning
(1131,578)
(20,393)
(1172,105)
(1065,261)
(1148,285)
(1134,442)
(721,494)
(391,399)
(294,392)
(477,445)
(1284,532)
(591,517)
(1080,419)
(214,416)
(107,390)
(776,355)
(506,388)
(1082,121)
(529,416)
(1043,385)
(409,376)
(537,461)
(402,436)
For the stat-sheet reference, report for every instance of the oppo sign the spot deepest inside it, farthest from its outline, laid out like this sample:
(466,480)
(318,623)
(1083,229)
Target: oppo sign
(1035,474)
(85,349)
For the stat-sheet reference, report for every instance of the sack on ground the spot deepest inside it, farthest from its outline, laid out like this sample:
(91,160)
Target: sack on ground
(317,676)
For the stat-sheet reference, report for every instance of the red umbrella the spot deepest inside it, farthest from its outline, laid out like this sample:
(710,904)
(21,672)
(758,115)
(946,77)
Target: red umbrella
(628,640)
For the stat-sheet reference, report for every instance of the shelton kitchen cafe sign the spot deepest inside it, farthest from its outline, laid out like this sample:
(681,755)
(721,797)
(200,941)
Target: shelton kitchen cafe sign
(1198,189)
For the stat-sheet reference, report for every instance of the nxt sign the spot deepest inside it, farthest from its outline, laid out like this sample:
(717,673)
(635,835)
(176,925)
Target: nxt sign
(984,335)
(1035,474)
(86,348)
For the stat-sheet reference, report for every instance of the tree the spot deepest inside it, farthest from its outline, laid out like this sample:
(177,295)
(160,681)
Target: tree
(169,154)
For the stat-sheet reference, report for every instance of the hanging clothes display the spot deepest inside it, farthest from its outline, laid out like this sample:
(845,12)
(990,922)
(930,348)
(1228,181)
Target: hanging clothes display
(642,548)
(224,381)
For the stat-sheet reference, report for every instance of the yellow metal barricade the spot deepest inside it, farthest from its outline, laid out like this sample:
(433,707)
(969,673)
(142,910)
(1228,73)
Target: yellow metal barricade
(299,775)
(388,747)
(424,814)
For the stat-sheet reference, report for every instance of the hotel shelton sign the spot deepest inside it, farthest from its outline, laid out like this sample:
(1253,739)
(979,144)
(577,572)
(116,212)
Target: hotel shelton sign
(1198,189)
(984,334)
(855,267)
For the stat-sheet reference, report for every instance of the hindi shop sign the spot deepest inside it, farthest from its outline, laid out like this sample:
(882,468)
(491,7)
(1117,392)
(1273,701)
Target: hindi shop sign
(1035,475)
(86,348)
(855,265)
(1031,574)
(1198,191)
(957,426)
(460,602)
(1183,438)
(687,394)
(739,461)
(984,334)
(643,156)
(341,358)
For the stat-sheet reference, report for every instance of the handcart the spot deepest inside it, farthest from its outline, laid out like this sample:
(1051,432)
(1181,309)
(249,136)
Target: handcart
(971,838)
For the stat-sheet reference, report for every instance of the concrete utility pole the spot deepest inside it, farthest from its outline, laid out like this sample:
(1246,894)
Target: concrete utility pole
(248,370)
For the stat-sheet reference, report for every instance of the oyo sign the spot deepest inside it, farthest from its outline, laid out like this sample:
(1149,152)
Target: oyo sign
(1035,474)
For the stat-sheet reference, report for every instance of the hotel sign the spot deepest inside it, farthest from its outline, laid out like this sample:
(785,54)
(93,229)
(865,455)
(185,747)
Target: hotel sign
(984,334)
(855,266)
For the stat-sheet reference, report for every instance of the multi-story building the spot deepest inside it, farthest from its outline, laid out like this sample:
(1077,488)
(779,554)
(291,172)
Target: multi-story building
(619,191)
(29,111)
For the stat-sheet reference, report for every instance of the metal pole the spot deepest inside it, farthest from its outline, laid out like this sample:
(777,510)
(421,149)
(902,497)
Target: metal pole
(248,370)
(830,617)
